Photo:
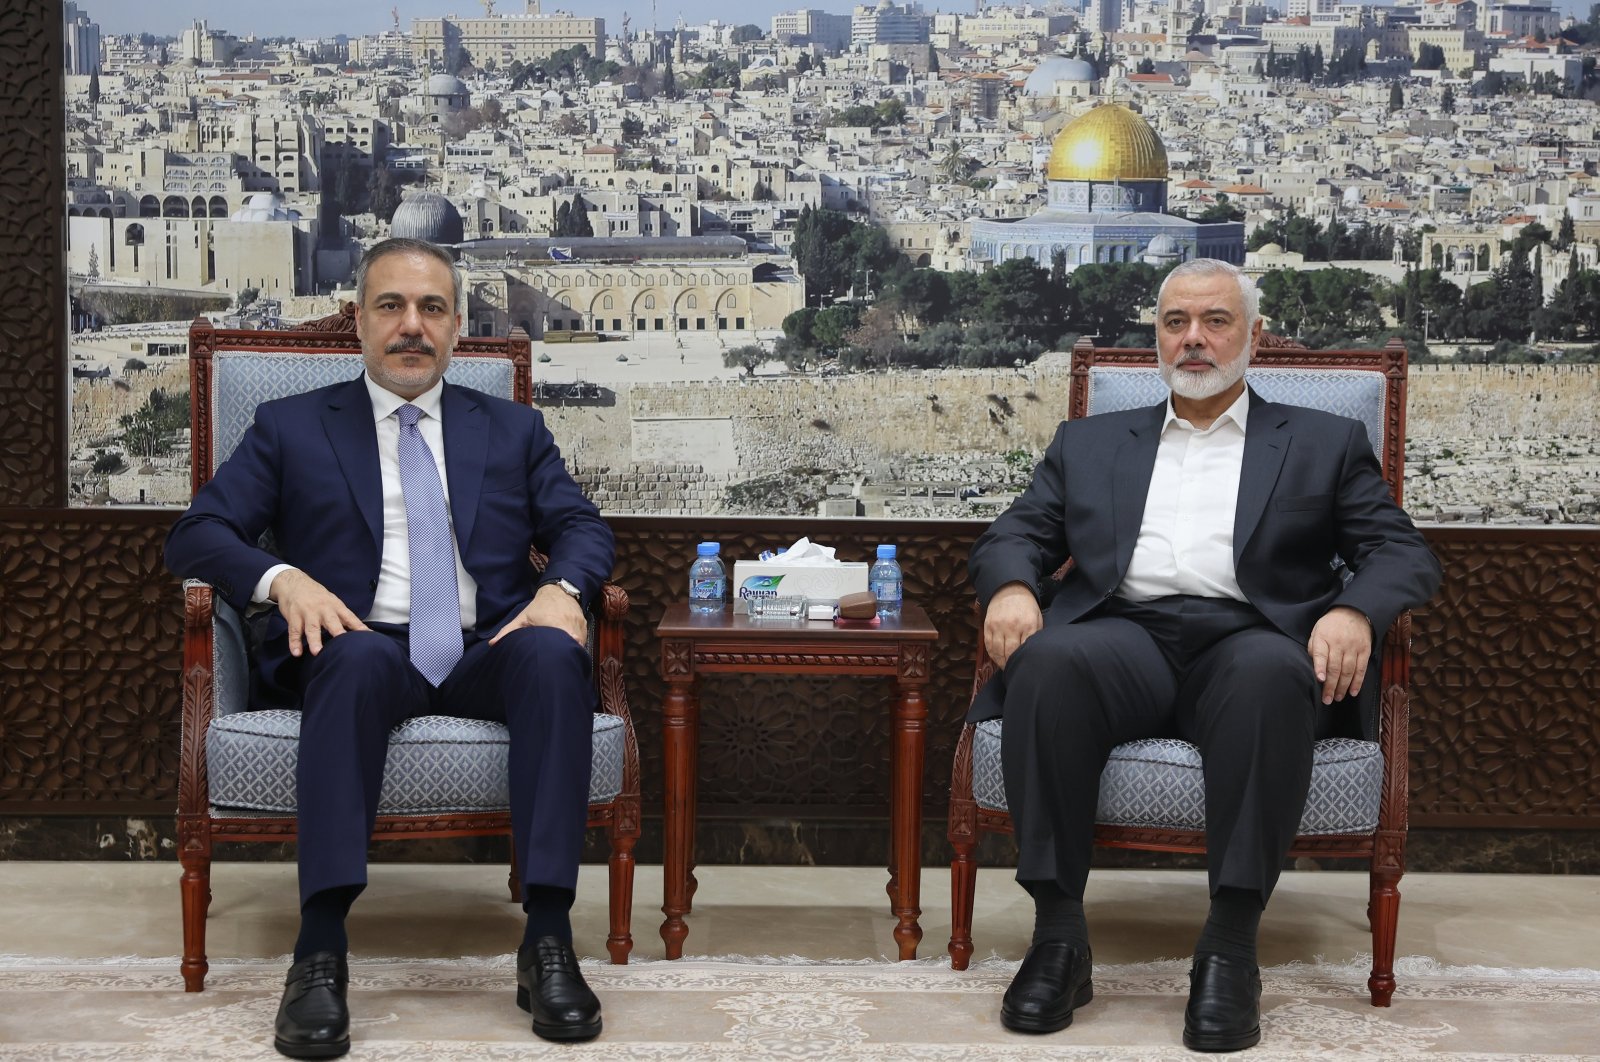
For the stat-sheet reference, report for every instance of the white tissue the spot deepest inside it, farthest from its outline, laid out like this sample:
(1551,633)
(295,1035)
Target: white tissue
(806,551)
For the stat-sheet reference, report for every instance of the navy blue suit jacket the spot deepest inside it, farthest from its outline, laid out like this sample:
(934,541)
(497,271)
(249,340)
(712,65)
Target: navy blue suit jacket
(307,470)
(1310,489)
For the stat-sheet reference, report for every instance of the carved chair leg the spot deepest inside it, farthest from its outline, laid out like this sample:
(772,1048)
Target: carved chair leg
(514,877)
(1384,906)
(620,942)
(195,888)
(963,887)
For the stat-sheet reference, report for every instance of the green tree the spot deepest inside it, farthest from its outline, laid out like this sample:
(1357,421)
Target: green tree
(1146,66)
(133,365)
(632,128)
(891,111)
(94,87)
(800,326)
(924,296)
(1018,298)
(746,33)
(1397,98)
(1111,296)
(1447,101)
(833,324)
(1566,232)
(1429,57)
(747,357)
(803,63)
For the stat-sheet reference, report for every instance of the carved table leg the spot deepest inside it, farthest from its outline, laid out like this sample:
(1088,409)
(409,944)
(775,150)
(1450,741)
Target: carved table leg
(905,816)
(680,725)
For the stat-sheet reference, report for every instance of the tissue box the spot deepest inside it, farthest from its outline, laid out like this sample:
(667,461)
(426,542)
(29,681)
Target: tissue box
(817,582)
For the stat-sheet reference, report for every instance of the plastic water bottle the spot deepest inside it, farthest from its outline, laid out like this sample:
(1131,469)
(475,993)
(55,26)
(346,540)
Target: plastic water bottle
(884,582)
(708,579)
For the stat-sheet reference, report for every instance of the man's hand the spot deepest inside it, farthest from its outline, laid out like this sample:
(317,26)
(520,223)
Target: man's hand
(550,607)
(1012,618)
(1340,646)
(310,608)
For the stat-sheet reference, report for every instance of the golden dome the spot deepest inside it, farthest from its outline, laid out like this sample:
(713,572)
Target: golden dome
(1107,144)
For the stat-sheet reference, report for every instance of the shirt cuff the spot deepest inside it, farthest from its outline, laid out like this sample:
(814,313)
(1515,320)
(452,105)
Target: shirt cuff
(264,588)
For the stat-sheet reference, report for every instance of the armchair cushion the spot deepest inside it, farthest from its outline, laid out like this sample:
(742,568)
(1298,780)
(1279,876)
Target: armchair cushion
(1157,783)
(436,763)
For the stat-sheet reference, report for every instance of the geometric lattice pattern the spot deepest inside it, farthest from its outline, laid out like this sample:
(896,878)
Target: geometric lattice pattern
(436,763)
(1158,782)
(1354,393)
(242,380)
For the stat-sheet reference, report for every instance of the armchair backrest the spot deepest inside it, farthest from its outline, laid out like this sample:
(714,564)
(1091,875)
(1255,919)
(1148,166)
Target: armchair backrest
(232,371)
(1367,385)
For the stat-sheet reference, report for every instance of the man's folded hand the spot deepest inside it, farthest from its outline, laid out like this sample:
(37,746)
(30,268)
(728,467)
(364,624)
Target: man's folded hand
(1012,618)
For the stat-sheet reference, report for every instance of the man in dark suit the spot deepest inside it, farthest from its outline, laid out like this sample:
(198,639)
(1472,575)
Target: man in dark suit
(1201,603)
(403,509)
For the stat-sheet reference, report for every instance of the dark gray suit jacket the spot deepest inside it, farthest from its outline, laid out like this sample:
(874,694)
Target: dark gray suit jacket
(1310,490)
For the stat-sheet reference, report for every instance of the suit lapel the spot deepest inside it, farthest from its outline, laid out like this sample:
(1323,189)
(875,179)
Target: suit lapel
(466,449)
(353,434)
(1266,441)
(1131,468)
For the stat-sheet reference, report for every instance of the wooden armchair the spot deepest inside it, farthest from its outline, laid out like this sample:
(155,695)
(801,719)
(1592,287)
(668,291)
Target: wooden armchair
(1151,794)
(445,777)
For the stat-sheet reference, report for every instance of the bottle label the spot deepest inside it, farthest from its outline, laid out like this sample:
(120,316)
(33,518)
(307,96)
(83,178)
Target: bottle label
(705,590)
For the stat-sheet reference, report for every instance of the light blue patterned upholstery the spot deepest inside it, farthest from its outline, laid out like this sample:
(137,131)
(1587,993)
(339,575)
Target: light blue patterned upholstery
(1158,783)
(1354,393)
(242,380)
(436,763)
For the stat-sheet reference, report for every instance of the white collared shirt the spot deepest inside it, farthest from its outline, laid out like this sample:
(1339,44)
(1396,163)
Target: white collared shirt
(1185,541)
(392,601)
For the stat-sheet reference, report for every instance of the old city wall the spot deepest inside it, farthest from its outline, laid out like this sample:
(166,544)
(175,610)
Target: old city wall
(1468,401)
(676,446)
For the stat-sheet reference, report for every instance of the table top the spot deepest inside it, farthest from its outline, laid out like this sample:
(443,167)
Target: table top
(730,623)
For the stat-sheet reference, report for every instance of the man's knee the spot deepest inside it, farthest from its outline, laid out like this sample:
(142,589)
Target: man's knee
(360,654)
(1060,654)
(545,650)
(1268,658)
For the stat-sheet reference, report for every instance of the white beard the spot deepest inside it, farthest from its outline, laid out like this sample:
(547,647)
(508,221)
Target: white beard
(1197,386)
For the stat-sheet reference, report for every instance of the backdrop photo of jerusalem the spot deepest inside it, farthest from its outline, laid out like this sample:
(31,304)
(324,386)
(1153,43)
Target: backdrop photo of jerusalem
(834,263)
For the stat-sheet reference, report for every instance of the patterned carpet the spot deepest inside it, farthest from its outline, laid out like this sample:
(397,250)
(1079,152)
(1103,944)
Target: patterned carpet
(758,1009)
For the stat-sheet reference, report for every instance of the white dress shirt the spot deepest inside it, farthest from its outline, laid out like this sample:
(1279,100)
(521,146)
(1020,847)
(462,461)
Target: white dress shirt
(392,602)
(1185,542)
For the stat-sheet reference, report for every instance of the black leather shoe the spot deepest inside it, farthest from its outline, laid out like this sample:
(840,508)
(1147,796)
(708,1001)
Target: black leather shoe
(313,1021)
(551,987)
(1052,981)
(1224,1012)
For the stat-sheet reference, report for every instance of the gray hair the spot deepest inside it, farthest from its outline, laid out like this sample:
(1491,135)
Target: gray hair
(401,245)
(1249,294)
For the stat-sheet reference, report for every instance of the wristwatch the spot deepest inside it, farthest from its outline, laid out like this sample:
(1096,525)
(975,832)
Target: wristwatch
(568,589)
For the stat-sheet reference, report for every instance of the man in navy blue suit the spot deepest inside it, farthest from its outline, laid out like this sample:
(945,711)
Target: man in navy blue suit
(403,509)
(1202,603)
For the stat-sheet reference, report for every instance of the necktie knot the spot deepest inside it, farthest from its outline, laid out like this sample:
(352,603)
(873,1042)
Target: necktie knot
(409,415)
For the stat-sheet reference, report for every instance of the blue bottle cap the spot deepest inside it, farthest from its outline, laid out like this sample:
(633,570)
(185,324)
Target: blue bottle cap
(709,549)
(886,552)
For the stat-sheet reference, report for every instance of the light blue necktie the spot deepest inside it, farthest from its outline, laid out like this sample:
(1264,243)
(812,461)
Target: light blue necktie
(435,601)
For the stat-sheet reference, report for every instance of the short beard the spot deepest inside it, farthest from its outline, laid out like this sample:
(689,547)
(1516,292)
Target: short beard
(1200,386)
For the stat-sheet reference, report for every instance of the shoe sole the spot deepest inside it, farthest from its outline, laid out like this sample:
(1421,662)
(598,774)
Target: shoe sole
(333,1050)
(1031,1024)
(563,1033)
(1218,1042)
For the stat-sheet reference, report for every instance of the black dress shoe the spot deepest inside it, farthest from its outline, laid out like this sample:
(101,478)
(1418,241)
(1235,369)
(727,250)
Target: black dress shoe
(551,987)
(1224,1012)
(313,1021)
(1052,980)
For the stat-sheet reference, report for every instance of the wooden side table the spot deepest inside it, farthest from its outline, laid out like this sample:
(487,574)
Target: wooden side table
(729,642)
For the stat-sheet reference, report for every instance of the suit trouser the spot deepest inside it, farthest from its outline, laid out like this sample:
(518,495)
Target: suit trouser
(362,684)
(1208,670)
